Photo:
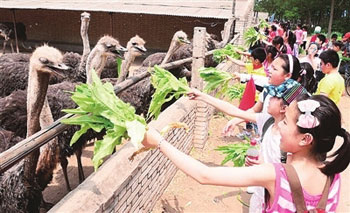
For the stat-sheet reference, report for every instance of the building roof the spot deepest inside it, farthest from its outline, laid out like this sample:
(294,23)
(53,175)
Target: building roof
(220,9)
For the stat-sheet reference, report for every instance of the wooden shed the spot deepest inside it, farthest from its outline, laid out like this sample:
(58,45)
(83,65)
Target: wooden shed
(58,21)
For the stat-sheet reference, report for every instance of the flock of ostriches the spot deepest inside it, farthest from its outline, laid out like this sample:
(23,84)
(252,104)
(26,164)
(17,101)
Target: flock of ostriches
(33,93)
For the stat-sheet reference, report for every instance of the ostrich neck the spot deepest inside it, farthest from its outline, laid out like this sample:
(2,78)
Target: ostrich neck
(36,94)
(96,60)
(86,44)
(129,58)
(173,46)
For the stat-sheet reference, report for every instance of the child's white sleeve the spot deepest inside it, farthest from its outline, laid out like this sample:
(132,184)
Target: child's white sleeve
(258,79)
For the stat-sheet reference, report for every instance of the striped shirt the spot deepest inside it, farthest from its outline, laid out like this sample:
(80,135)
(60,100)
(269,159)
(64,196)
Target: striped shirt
(283,201)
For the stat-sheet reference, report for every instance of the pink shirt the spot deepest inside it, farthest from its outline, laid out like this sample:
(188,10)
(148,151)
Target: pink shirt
(299,35)
(283,201)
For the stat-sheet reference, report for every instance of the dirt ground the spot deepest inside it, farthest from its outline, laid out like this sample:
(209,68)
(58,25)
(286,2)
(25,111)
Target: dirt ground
(186,195)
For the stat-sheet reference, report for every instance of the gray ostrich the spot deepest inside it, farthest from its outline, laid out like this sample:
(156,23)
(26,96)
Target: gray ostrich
(135,47)
(179,39)
(106,46)
(185,51)
(14,67)
(20,191)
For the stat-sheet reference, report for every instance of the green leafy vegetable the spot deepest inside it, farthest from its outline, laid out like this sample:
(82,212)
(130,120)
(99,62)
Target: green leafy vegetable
(235,153)
(167,87)
(263,24)
(251,36)
(99,108)
(229,50)
(119,66)
(235,92)
(215,79)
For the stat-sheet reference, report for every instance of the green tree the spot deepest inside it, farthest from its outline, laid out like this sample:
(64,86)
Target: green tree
(333,15)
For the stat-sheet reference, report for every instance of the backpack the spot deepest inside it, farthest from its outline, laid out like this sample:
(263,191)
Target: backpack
(266,125)
(297,192)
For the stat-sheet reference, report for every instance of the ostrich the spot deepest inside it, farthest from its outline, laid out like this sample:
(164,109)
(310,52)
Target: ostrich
(106,46)
(185,51)
(135,48)
(7,31)
(179,38)
(20,191)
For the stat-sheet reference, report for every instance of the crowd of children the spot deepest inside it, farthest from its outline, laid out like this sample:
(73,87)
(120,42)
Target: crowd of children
(297,129)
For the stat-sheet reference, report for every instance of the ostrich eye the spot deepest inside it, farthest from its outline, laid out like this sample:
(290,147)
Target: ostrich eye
(109,46)
(43,60)
(181,38)
(134,43)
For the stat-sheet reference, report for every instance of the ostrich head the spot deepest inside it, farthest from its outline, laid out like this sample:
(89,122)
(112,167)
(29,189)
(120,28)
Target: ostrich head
(136,46)
(46,59)
(84,16)
(180,37)
(111,46)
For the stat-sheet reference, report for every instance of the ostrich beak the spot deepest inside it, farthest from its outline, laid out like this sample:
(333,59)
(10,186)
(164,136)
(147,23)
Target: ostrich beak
(141,49)
(119,51)
(185,40)
(57,68)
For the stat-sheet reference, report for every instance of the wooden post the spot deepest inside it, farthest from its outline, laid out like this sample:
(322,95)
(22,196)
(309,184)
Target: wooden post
(198,56)
(202,111)
(15,29)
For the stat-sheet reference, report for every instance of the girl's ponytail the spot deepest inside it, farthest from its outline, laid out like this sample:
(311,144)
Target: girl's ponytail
(342,156)
(328,117)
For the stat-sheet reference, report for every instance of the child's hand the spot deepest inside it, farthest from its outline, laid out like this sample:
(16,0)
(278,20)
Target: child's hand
(152,138)
(195,94)
(230,127)
(251,162)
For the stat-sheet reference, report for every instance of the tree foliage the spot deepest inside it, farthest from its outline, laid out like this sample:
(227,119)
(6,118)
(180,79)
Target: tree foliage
(310,12)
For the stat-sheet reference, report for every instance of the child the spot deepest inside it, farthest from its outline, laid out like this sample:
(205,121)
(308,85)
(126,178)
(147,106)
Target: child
(332,41)
(253,69)
(303,45)
(308,132)
(281,97)
(299,35)
(271,54)
(282,68)
(321,42)
(307,79)
(332,85)
(311,56)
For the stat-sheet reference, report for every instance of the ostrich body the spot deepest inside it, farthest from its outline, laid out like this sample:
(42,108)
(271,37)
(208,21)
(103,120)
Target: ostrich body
(20,191)
(8,139)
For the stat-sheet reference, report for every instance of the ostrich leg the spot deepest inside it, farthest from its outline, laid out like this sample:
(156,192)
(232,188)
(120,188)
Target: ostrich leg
(78,154)
(64,163)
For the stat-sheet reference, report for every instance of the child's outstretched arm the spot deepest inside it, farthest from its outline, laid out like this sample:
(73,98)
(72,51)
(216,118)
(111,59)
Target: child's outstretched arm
(222,176)
(223,106)
(235,61)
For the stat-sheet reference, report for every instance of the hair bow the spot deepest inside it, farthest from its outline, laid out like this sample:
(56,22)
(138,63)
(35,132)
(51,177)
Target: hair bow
(303,72)
(307,120)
